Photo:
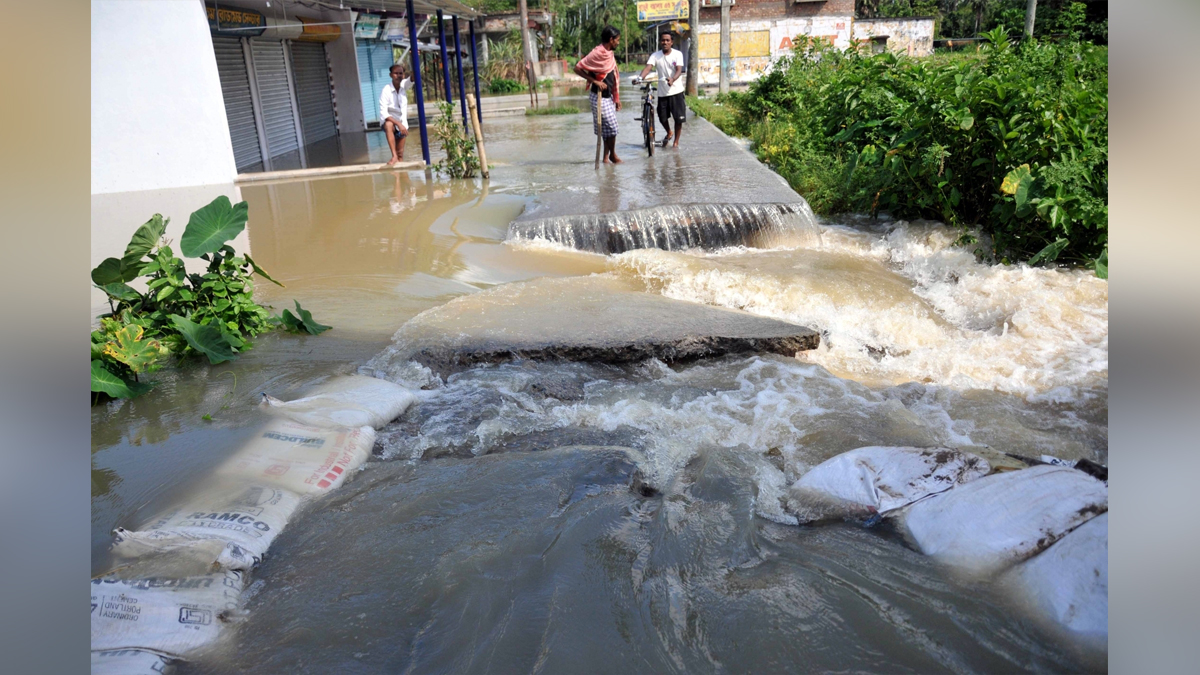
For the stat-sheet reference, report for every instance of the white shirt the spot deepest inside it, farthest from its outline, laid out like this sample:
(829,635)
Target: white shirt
(394,102)
(666,65)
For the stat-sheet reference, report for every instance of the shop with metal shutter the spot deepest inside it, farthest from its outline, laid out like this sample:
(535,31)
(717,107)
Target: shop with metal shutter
(314,94)
(239,104)
(275,79)
(276,98)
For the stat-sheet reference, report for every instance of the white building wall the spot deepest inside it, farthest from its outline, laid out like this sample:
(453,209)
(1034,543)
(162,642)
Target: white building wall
(158,115)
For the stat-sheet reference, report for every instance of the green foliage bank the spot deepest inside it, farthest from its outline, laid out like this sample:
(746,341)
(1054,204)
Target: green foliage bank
(1013,140)
(180,314)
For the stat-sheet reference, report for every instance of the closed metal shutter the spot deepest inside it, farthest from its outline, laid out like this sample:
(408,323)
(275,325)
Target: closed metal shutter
(239,105)
(314,94)
(274,95)
(374,60)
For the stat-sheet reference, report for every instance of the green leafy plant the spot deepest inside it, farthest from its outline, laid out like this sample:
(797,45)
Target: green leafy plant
(179,314)
(302,321)
(461,160)
(1012,140)
(503,85)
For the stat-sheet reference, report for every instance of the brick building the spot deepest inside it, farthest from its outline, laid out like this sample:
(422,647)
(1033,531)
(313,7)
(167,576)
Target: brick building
(762,31)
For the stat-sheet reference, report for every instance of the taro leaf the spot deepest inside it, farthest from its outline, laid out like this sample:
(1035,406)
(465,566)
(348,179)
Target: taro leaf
(1015,178)
(1101,265)
(120,291)
(104,381)
(210,227)
(113,271)
(129,348)
(261,272)
(1050,253)
(304,323)
(144,240)
(204,339)
(290,322)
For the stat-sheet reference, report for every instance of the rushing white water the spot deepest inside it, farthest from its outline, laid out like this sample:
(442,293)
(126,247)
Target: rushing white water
(675,227)
(906,305)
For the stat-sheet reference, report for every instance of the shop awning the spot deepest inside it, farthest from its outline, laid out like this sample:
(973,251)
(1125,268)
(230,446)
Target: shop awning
(448,7)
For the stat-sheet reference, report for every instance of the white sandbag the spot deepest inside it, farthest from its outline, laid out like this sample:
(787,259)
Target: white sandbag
(1001,519)
(350,401)
(129,662)
(301,458)
(1068,582)
(168,616)
(880,479)
(246,522)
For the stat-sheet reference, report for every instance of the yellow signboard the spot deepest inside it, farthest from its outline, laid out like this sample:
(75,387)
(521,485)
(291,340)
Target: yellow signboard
(742,44)
(662,10)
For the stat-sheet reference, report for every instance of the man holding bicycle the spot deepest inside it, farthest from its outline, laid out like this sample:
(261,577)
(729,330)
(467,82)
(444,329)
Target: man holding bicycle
(669,65)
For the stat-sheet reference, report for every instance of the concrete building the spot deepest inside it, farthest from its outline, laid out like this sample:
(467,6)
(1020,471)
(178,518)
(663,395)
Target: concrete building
(193,92)
(763,31)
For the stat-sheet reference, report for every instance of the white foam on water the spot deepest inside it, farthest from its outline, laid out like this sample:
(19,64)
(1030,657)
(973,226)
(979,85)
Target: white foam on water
(782,415)
(907,305)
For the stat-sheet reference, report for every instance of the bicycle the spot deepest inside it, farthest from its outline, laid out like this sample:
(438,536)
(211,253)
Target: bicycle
(647,118)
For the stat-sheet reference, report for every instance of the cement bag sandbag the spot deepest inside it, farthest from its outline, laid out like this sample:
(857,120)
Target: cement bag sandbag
(168,616)
(300,458)
(129,662)
(877,479)
(247,522)
(1068,582)
(1001,519)
(351,401)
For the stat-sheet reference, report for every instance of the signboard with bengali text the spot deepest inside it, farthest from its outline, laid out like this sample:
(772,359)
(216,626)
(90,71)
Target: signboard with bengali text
(234,21)
(662,10)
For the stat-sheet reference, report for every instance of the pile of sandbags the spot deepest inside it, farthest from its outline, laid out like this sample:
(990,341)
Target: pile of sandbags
(1042,530)
(313,445)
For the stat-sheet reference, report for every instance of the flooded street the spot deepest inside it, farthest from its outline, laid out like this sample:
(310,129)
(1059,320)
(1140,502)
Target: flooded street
(602,517)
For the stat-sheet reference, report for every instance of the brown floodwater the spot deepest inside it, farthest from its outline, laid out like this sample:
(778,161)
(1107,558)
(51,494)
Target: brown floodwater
(494,530)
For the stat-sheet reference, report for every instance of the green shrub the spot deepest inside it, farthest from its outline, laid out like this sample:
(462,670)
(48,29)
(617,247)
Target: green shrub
(461,160)
(936,138)
(501,85)
(180,314)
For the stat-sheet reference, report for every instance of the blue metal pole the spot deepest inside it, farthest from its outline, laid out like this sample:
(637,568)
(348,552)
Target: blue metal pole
(475,71)
(445,63)
(462,85)
(416,68)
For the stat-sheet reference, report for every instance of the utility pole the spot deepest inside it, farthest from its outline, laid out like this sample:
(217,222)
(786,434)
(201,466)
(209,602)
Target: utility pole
(723,87)
(625,27)
(1030,12)
(527,50)
(693,64)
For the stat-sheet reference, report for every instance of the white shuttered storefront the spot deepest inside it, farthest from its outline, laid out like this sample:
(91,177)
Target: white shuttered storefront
(239,104)
(310,71)
(275,96)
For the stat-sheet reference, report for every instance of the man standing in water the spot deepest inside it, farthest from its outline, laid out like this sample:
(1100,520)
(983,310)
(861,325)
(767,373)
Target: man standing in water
(393,110)
(670,67)
(599,68)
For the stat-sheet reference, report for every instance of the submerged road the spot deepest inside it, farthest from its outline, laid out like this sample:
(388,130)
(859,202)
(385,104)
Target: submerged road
(554,158)
(584,517)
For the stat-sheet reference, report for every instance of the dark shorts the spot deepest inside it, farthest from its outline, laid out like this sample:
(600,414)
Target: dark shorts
(671,106)
(397,130)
